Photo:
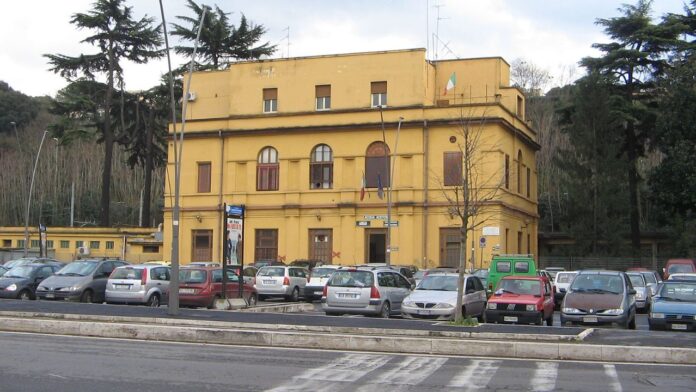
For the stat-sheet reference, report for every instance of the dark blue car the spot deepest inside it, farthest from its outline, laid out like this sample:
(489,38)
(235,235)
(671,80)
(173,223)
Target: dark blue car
(674,306)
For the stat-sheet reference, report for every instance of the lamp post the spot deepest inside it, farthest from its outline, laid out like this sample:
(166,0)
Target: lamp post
(31,189)
(388,158)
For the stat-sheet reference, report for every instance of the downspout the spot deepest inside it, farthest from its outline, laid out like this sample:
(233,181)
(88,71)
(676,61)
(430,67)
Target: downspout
(425,195)
(220,209)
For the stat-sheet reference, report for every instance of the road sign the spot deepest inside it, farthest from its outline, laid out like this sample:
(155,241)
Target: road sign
(391,224)
(375,217)
(482,242)
(362,223)
(235,210)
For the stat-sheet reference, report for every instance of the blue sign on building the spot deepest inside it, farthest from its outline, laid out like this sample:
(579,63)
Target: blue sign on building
(235,210)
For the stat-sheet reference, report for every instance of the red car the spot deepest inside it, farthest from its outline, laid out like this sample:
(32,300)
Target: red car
(201,286)
(521,300)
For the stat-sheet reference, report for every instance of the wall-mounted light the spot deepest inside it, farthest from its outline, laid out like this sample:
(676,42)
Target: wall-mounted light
(199,218)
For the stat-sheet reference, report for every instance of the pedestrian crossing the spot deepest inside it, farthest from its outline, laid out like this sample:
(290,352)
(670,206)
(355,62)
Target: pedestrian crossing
(386,373)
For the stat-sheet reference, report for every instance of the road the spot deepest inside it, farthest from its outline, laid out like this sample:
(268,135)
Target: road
(34,362)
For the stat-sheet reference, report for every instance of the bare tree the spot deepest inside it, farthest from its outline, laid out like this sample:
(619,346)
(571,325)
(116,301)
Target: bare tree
(530,78)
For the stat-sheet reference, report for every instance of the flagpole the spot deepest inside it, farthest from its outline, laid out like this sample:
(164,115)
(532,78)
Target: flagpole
(387,256)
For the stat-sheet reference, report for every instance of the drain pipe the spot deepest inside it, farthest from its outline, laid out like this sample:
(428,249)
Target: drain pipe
(220,208)
(425,194)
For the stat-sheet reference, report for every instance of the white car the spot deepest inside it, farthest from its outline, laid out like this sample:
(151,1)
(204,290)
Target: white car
(317,280)
(682,276)
(281,281)
(562,282)
(436,297)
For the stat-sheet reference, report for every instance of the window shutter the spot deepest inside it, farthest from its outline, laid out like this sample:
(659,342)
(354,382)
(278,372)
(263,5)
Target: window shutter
(323,90)
(453,168)
(373,166)
(270,93)
(315,175)
(204,177)
(379,87)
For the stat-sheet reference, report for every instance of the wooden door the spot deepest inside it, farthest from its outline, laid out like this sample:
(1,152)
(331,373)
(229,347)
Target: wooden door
(320,244)
(202,249)
(450,247)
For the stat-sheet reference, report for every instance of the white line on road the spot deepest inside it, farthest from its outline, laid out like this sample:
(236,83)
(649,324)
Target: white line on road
(475,376)
(410,371)
(545,375)
(615,384)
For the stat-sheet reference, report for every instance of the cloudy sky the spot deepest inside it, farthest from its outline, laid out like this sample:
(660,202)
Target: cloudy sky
(554,35)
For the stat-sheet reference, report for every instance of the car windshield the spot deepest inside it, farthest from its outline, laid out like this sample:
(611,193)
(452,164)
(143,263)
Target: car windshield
(520,286)
(649,277)
(127,273)
(22,271)
(482,273)
(438,283)
(322,272)
(351,279)
(679,291)
(564,277)
(272,271)
(598,283)
(78,268)
(13,263)
(193,276)
(690,277)
(676,268)
(637,280)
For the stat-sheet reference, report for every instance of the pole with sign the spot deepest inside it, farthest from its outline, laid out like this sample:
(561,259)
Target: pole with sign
(233,244)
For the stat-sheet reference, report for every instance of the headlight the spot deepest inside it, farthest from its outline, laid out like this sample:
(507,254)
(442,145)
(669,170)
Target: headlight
(657,315)
(443,305)
(531,308)
(492,305)
(11,287)
(409,303)
(613,311)
(639,295)
(41,288)
(571,310)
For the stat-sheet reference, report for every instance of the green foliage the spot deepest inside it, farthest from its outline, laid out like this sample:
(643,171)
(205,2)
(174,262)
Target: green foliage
(468,321)
(15,107)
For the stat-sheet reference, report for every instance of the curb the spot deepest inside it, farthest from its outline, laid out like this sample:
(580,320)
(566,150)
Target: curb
(280,308)
(354,342)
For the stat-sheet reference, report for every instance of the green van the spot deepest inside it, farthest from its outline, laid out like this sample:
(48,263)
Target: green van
(504,265)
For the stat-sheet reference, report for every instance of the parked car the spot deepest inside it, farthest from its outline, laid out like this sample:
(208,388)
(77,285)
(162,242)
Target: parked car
(553,271)
(264,263)
(308,264)
(32,260)
(419,275)
(600,297)
(139,284)
(679,265)
(317,280)
(436,298)
(405,270)
(674,306)
(562,282)
(21,281)
(377,291)
(281,281)
(203,264)
(504,265)
(546,274)
(3,269)
(249,273)
(652,278)
(482,274)
(201,286)
(521,300)
(643,293)
(83,280)
(682,276)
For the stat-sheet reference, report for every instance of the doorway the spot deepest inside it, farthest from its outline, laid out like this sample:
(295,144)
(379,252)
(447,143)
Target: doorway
(450,247)
(202,249)
(320,245)
(376,245)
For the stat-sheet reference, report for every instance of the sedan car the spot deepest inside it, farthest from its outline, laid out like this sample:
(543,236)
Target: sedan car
(20,282)
(139,284)
(317,280)
(436,298)
(643,292)
(201,286)
(83,280)
(521,299)
(674,306)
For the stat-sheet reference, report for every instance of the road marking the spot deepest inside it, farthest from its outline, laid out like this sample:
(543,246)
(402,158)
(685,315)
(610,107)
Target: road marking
(615,384)
(410,371)
(475,376)
(57,376)
(346,369)
(545,375)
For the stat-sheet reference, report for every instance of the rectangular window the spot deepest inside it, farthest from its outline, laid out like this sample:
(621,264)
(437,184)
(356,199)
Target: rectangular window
(150,249)
(323,94)
(270,100)
(64,244)
(507,171)
(529,182)
(520,107)
(453,168)
(321,175)
(267,177)
(20,243)
(34,244)
(266,244)
(521,267)
(379,94)
(376,172)
(94,244)
(204,177)
(6,243)
(519,242)
(503,266)
(79,244)
(202,245)
(109,244)
(529,244)
(49,244)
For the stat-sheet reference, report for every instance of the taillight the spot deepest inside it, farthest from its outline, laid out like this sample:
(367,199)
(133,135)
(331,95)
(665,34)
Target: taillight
(325,292)
(374,293)
(286,281)
(143,278)
(490,286)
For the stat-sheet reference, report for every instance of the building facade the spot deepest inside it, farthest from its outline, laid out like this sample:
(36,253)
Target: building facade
(297,140)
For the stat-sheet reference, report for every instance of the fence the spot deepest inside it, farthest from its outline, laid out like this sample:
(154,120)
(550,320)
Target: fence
(571,263)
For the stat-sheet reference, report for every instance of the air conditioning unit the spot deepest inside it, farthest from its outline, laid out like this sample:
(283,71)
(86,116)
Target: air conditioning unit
(191,97)
(83,251)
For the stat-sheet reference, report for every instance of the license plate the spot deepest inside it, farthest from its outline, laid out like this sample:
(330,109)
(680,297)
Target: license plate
(50,295)
(423,311)
(590,319)
(347,295)
(185,291)
(268,281)
(681,327)
(318,292)
(121,286)
(510,319)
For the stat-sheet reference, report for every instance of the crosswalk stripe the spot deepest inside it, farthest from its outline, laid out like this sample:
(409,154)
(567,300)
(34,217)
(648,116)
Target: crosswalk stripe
(475,376)
(545,375)
(610,371)
(410,371)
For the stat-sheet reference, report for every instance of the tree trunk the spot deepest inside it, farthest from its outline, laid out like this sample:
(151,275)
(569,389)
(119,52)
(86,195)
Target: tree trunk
(633,180)
(148,169)
(108,147)
(458,315)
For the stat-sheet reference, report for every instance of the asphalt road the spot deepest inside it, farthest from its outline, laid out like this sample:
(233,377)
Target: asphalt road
(34,362)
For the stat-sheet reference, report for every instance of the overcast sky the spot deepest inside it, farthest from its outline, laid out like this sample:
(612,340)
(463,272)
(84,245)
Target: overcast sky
(553,34)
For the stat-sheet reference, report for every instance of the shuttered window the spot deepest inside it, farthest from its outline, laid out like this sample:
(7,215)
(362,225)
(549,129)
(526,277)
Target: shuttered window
(203,177)
(452,168)
(507,171)
(529,182)
(377,165)
(321,168)
(266,244)
(267,170)
(379,93)
(270,100)
(323,95)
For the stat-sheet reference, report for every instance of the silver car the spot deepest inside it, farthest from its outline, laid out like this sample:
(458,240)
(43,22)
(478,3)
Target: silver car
(82,280)
(279,280)
(643,292)
(375,291)
(139,284)
(436,298)
(317,280)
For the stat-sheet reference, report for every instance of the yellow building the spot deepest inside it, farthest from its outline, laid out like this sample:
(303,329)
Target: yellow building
(291,139)
(135,245)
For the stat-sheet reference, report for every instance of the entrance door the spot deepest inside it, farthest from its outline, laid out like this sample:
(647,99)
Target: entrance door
(449,247)
(376,245)
(202,249)
(320,245)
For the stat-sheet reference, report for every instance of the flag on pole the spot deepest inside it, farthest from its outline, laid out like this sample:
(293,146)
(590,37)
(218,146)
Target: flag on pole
(362,187)
(380,190)
(451,82)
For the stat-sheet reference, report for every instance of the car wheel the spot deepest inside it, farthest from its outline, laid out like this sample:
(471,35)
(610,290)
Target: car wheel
(24,295)
(261,297)
(212,303)
(549,321)
(87,297)
(294,296)
(632,323)
(332,314)
(385,311)
(253,300)
(154,301)
(481,318)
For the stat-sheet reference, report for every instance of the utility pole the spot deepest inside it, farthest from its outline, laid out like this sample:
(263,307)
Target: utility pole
(31,189)
(390,168)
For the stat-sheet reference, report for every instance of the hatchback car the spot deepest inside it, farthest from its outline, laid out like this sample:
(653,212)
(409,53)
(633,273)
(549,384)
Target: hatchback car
(643,292)
(436,298)
(317,280)
(600,297)
(201,286)
(20,282)
(674,306)
(652,279)
(249,272)
(83,280)
(139,284)
(679,265)
(521,300)
(281,281)
(377,291)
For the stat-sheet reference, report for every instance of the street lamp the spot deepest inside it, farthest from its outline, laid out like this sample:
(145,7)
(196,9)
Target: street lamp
(31,189)
(389,159)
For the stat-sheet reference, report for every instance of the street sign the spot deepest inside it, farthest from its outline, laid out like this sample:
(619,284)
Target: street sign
(394,248)
(391,224)
(482,242)
(375,217)
(235,210)
(362,223)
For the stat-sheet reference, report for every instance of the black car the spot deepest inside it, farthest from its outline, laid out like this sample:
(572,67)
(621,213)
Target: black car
(20,282)
(32,260)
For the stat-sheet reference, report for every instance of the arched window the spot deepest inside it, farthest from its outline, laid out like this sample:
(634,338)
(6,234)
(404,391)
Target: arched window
(519,171)
(267,170)
(377,165)
(321,168)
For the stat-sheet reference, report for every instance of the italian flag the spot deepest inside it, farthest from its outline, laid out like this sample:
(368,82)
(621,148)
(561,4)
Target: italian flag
(451,82)
(362,188)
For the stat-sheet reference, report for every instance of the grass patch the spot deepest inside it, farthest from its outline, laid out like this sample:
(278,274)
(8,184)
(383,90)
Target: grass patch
(466,322)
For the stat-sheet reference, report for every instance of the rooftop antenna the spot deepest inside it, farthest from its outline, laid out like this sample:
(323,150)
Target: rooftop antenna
(437,27)
(427,28)
(287,37)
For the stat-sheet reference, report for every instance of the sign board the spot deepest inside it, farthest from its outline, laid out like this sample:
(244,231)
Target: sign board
(362,223)
(394,249)
(375,217)
(482,242)
(491,230)
(391,224)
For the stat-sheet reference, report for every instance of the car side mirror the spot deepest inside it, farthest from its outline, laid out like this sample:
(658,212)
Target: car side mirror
(413,286)
(632,292)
